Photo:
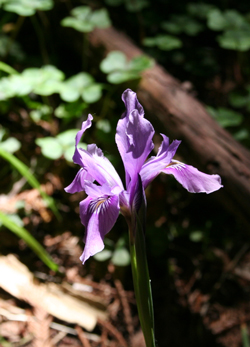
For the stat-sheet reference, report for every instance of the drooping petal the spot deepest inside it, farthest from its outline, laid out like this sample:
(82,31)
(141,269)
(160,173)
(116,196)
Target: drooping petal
(77,184)
(192,179)
(98,216)
(133,136)
(156,164)
(85,125)
(98,166)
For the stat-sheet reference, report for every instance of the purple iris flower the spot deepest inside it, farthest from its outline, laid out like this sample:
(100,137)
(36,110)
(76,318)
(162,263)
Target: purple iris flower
(106,195)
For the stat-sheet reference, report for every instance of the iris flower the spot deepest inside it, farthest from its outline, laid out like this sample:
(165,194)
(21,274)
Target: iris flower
(106,195)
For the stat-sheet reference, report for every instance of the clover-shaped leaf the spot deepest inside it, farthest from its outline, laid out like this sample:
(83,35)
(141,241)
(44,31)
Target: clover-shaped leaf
(82,85)
(238,40)
(83,19)
(182,24)
(163,42)
(26,7)
(62,144)
(225,117)
(119,70)
(10,145)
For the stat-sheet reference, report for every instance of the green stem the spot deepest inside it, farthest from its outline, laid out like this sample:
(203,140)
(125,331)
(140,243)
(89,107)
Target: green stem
(142,284)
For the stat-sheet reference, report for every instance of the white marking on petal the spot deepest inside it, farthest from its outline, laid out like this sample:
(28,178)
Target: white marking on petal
(99,205)
(175,164)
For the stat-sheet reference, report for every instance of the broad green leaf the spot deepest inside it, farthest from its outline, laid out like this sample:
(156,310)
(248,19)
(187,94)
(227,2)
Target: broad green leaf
(10,145)
(67,138)
(70,110)
(238,40)
(50,147)
(122,76)
(163,42)
(92,93)
(115,60)
(104,125)
(225,117)
(100,18)
(182,24)
(242,134)
(121,257)
(72,88)
(216,20)
(103,255)
(85,20)
(140,63)
(27,7)
(29,239)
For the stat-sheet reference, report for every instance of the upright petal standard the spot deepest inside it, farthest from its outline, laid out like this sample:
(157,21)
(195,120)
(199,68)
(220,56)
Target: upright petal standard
(106,195)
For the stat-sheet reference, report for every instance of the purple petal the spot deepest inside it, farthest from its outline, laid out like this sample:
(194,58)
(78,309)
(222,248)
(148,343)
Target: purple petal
(98,216)
(77,184)
(85,125)
(192,179)
(133,136)
(156,164)
(98,166)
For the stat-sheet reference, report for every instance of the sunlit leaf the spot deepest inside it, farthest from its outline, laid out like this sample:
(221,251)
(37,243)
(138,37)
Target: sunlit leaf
(27,7)
(115,60)
(50,147)
(83,19)
(10,145)
(121,257)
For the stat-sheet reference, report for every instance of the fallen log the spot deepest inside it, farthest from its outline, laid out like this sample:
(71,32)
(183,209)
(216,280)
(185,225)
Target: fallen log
(205,144)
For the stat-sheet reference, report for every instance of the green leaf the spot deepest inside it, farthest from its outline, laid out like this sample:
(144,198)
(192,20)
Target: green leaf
(85,20)
(29,239)
(115,60)
(92,93)
(225,117)
(27,7)
(238,40)
(72,88)
(163,42)
(7,68)
(182,24)
(216,20)
(70,110)
(50,147)
(10,145)
(242,134)
(121,257)
(103,255)
(67,138)
(140,63)
(122,76)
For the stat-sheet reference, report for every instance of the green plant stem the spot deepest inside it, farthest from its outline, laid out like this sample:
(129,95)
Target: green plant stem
(24,171)
(142,284)
(29,239)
